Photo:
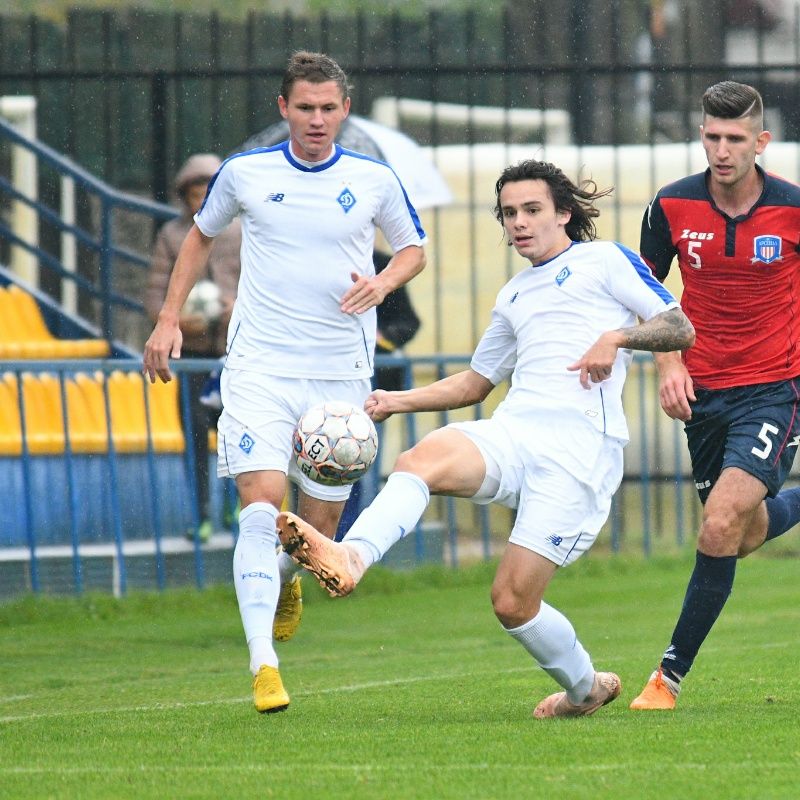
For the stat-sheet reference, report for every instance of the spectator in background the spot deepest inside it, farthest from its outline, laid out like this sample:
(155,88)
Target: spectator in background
(201,338)
(398,323)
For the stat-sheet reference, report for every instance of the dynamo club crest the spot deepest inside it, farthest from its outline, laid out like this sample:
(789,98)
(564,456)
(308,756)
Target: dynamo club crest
(766,249)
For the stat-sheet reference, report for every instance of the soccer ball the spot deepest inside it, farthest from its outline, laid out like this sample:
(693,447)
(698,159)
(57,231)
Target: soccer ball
(204,299)
(335,443)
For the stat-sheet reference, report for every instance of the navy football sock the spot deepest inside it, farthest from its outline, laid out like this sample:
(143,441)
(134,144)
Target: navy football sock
(706,595)
(783,512)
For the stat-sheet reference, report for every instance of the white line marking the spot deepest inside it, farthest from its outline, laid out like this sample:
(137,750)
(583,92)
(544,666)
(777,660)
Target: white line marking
(355,687)
(15,698)
(269,768)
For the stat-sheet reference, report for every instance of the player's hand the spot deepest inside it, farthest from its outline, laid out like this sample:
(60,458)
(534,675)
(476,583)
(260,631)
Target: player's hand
(164,343)
(676,390)
(597,362)
(377,405)
(365,293)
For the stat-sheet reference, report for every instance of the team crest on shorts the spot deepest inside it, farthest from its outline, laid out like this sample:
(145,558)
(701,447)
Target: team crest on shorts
(346,200)
(766,249)
(246,443)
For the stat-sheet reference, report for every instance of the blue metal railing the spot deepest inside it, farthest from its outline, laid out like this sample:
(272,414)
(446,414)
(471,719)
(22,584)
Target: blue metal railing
(135,508)
(101,245)
(656,501)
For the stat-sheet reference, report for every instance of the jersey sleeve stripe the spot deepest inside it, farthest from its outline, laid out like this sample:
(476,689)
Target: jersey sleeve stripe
(646,274)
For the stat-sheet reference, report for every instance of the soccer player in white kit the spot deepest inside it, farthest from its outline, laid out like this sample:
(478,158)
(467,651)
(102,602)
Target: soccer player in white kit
(303,326)
(562,331)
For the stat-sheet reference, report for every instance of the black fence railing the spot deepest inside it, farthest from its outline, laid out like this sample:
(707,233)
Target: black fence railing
(130,94)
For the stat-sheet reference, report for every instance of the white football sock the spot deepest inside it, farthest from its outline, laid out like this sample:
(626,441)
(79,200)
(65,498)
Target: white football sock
(287,566)
(257,582)
(550,638)
(389,517)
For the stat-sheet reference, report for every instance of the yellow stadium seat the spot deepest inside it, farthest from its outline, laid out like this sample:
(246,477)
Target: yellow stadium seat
(44,433)
(10,429)
(127,412)
(45,412)
(10,342)
(90,388)
(87,433)
(165,421)
(24,334)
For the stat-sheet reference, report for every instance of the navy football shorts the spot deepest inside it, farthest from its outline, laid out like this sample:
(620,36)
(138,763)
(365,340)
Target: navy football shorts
(755,428)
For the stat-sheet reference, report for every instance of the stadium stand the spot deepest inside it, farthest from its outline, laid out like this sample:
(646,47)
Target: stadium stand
(45,441)
(24,334)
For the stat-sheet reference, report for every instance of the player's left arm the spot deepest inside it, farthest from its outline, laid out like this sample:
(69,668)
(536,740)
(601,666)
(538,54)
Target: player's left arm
(367,292)
(665,332)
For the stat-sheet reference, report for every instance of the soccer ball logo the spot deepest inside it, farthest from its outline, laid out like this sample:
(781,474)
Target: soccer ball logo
(335,443)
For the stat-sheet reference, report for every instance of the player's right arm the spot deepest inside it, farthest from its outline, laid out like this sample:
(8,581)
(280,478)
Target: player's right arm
(166,339)
(456,391)
(655,240)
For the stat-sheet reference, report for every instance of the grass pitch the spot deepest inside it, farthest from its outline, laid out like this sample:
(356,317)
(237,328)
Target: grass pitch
(408,689)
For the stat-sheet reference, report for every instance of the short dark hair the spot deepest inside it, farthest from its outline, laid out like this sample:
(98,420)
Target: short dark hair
(732,100)
(578,200)
(315,68)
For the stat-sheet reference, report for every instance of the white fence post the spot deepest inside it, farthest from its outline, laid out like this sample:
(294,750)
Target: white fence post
(20,111)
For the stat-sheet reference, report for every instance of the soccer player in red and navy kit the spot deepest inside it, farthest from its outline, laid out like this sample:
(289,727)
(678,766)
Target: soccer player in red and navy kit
(735,230)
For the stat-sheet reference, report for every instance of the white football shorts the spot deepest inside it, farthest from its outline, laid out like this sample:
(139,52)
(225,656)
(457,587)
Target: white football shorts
(259,415)
(560,478)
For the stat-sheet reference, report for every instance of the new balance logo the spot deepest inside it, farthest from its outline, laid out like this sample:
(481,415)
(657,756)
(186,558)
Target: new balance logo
(275,197)
(554,540)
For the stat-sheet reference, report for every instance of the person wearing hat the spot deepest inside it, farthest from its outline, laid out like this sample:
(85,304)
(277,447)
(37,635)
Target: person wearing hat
(204,336)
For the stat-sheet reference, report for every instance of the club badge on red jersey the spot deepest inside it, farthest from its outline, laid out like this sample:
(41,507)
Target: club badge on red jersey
(766,249)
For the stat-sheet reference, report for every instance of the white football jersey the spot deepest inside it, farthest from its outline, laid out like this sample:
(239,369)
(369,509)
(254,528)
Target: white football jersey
(548,316)
(304,231)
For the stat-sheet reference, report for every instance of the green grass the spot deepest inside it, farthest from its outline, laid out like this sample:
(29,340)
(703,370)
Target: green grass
(409,689)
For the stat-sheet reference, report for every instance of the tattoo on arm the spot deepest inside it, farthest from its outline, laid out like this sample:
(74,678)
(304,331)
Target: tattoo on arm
(667,331)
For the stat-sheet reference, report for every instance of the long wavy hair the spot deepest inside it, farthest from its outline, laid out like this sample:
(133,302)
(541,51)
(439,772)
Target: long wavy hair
(578,200)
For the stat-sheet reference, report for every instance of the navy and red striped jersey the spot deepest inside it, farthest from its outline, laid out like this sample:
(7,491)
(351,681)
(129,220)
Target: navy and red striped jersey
(741,278)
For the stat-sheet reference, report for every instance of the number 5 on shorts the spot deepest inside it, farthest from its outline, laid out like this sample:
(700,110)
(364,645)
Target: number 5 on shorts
(766,430)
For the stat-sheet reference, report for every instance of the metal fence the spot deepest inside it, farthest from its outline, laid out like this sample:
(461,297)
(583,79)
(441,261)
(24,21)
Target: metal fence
(102,497)
(129,95)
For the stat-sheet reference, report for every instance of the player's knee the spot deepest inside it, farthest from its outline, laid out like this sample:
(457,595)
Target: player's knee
(720,533)
(416,461)
(509,607)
